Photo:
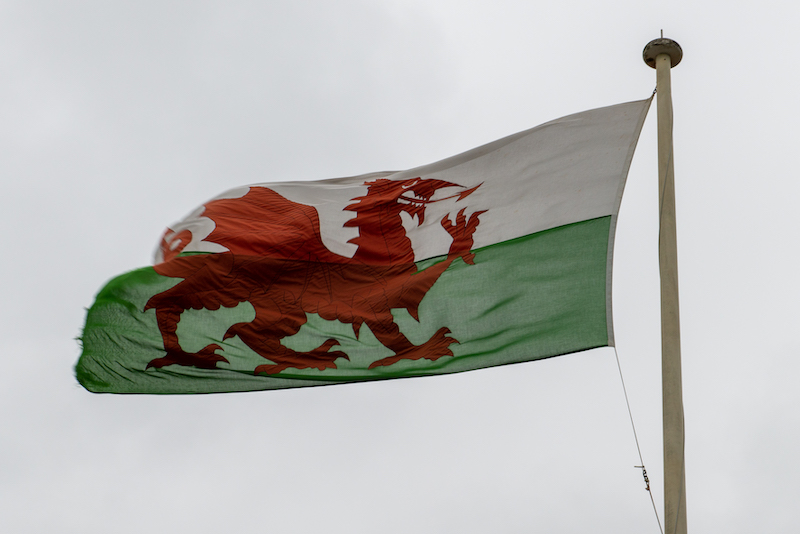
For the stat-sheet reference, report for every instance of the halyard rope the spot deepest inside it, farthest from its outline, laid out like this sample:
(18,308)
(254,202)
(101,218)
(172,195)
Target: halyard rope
(636,439)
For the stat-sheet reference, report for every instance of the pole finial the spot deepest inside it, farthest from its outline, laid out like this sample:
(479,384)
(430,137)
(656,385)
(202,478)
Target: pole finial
(662,46)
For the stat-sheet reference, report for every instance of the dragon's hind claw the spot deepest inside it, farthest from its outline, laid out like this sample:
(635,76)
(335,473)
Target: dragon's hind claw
(320,358)
(433,349)
(205,358)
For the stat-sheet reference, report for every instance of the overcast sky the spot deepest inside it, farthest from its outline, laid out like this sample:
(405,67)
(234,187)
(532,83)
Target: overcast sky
(119,118)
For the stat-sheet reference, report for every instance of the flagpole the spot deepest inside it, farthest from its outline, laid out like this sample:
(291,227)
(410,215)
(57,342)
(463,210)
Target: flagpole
(663,54)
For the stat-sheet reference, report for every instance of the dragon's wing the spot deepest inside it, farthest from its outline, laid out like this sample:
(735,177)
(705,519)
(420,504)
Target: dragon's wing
(264,223)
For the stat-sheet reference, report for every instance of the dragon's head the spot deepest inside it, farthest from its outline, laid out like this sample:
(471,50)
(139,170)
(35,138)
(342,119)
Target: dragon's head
(411,196)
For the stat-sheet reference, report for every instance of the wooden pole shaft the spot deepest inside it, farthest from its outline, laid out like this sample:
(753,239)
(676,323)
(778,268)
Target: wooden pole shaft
(674,437)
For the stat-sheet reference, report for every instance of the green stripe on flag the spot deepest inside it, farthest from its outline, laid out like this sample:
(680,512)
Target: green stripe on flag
(533,297)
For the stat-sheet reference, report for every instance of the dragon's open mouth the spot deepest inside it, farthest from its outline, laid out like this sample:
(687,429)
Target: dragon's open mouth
(416,201)
(420,200)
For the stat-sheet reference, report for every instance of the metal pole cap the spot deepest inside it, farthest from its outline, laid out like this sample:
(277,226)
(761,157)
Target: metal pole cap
(662,46)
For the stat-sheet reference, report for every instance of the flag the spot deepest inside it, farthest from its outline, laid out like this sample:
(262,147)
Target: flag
(499,255)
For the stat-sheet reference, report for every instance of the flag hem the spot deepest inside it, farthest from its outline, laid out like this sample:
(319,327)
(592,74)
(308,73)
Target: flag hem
(615,215)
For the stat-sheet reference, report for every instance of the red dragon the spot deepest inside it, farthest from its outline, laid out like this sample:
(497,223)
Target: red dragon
(276,260)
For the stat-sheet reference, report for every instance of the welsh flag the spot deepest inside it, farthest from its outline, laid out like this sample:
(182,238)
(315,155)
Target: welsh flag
(499,255)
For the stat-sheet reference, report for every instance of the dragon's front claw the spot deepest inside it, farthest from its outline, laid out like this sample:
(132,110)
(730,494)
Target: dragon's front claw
(461,231)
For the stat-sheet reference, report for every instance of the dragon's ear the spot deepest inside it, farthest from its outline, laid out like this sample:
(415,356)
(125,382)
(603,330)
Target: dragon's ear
(378,181)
